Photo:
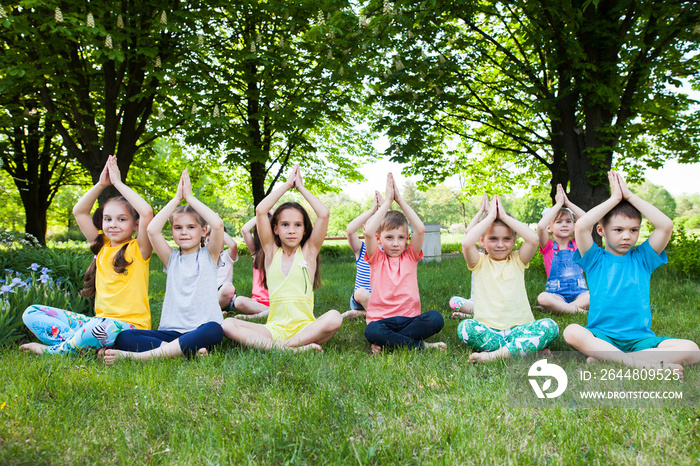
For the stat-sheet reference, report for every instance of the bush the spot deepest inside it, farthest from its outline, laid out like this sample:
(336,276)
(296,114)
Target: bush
(684,253)
(447,248)
(70,234)
(20,289)
(337,251)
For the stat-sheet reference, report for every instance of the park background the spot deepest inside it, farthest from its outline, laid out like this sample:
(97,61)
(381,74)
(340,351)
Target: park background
(510,98)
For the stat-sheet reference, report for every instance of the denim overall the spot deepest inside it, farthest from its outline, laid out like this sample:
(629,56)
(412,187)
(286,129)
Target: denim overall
(565,277)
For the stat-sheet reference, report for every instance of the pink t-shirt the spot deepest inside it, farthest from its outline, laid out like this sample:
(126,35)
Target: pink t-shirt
(548,254)
(394,282)
(260,294)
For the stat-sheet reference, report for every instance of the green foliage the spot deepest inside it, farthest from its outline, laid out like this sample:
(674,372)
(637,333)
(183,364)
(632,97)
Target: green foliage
(507,93)
(657,196)
(337,252)
(684,253)
(36,284)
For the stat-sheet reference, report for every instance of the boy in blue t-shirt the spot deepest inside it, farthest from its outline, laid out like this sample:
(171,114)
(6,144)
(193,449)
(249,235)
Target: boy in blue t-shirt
(619,317)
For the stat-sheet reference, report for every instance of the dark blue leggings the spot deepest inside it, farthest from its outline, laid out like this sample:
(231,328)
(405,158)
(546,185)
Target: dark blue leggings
(138,341)
(404,331)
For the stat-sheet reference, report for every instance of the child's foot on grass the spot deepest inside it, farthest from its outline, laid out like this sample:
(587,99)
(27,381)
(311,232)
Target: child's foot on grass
(441,345)
(310,346)
(462,315)
(36,348)
(202,352)
(112,355)
(376,349)
(351,314)
(490,356)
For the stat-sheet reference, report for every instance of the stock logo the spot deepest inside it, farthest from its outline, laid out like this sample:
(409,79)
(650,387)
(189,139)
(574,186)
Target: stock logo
(548,371)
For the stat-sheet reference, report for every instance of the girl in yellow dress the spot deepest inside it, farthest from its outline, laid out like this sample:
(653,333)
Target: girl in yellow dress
(290,245)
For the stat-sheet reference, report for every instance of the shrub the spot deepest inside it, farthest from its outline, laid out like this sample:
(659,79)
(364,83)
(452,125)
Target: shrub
(71,234)
(447,248)
(35,285)
(337,251)
(684,253)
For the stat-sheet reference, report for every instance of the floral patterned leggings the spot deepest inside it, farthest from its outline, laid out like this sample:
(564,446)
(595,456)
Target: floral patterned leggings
(68,332)
(520,340)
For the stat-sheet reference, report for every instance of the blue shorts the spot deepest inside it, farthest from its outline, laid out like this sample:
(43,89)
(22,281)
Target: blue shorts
(354,305)
(567,289)
(629,346)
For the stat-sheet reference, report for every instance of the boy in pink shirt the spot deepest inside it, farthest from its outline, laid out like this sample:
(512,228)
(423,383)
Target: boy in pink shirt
(394,318)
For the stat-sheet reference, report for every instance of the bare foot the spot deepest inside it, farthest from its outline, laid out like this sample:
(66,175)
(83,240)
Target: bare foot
(202,352)
(376,349)
(544,353)
(490,356)
(310,346)
(462,315)
(439,345)
(591,360)
(111,356)
(36,348)
(352,314)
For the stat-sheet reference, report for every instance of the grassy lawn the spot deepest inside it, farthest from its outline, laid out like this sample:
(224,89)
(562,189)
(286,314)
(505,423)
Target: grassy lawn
(342,407)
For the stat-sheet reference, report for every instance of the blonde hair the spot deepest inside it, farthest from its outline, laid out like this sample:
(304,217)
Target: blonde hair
(562,212)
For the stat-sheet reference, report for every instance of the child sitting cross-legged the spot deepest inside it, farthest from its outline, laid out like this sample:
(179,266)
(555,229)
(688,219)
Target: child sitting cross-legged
(394,316)
(503,324)
(619,276)
(191,319)
(566,291)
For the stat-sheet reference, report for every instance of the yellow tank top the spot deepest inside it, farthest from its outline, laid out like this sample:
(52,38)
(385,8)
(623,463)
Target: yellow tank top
(291,297)
(123,296)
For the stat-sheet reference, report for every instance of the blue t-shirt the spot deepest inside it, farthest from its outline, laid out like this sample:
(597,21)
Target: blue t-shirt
(619,286)
(362,276)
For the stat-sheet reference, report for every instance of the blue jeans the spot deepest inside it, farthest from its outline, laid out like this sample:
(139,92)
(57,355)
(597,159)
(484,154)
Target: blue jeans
(138,341)
(409,332)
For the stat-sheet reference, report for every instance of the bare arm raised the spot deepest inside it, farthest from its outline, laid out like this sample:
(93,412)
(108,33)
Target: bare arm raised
(267,240)
(375,220)
(351,230)
(663,226)
(549,217)
(471,236)
(318,235)
(585,224)
(413,219)
(529,247)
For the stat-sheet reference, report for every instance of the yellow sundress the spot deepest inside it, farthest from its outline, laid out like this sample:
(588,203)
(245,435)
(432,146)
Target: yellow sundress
(291,297)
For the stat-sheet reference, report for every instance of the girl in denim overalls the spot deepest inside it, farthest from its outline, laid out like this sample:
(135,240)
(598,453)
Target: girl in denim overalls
(566,291)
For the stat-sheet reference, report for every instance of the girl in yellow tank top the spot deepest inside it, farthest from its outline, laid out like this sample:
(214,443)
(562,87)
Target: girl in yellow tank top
(290,245)
(118,277)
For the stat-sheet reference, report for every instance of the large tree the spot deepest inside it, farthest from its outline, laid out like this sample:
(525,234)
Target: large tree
(31,154)
(283,85)
(104,69)
(560,91)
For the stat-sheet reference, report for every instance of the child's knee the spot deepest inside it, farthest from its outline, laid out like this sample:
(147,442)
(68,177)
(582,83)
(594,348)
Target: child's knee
(466,328)
(572,334)
(434,320)
(333,320)
(26,315)
(543,299)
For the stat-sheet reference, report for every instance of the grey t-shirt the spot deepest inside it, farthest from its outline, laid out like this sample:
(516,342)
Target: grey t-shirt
(191,295)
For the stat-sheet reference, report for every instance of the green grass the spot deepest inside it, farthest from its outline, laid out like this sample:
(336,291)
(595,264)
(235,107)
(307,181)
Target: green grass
(342,407)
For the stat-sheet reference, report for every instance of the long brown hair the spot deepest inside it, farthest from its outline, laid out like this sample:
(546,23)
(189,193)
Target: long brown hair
(120,263)
(308,228)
